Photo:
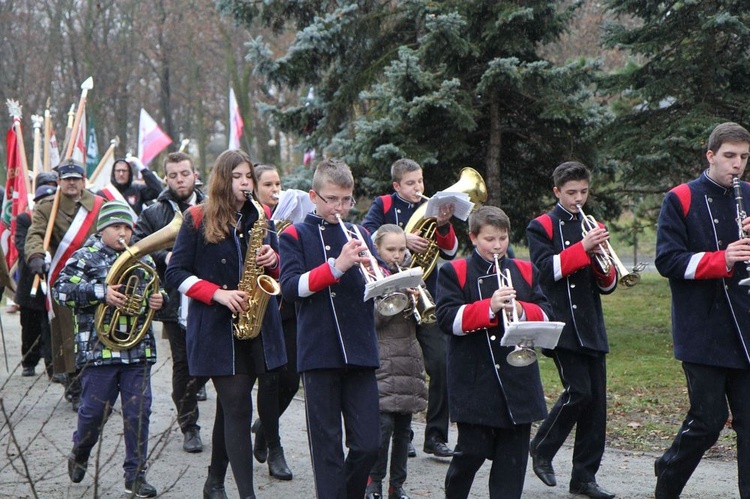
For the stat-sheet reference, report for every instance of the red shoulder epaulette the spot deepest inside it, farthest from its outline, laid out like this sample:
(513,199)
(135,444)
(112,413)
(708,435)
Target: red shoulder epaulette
(684,195)
(387,202)
(196,212)
(527,270)
(546,222)
(460,267)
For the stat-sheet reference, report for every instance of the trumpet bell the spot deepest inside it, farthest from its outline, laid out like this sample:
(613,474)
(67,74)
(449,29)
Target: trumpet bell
(392,304)
(521,357)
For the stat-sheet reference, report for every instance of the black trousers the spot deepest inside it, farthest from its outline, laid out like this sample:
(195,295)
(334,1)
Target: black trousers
(35,338)
(709,390)
(184,386)
(434,345)
(276,389)
(508,448)
(582,404)
(398,426)
(329,395)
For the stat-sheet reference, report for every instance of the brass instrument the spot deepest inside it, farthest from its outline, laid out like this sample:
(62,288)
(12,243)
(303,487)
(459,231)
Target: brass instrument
(471,183)
(422,308)
(741,215)
(392,302)
(140,282)
(607,256)
(258,286)
(523,354)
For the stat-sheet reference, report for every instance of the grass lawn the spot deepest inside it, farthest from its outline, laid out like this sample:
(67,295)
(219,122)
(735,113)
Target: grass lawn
(647,397)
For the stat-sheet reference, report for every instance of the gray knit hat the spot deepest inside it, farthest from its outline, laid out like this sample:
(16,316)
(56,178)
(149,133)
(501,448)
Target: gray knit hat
(114,212)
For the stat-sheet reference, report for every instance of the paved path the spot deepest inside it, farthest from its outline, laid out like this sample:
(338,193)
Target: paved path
(42,425)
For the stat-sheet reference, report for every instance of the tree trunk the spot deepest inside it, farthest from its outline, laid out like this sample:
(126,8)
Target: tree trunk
(492,158)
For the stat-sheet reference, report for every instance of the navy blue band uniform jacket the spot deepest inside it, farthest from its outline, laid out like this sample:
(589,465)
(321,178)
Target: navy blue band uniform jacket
(571,279)
(198,269)
(483,389)
(392,209)
(710,309)
(335,326)
(81,287)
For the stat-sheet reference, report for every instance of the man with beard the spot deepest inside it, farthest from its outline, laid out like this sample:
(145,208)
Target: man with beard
(123,188)
(180,194)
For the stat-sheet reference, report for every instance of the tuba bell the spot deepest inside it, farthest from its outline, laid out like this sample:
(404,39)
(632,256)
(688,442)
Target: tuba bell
(140,281)
(471,183)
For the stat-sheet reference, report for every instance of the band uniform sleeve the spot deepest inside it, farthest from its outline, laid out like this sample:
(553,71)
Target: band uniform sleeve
(180,272)
(296,281)
(673,256)
(535,306)
(552,265)
(455,315)
(375,216)
(447,241)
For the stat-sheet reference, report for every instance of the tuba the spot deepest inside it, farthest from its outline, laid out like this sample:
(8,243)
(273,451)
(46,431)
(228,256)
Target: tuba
(259,286)
(471,183)
(140,282)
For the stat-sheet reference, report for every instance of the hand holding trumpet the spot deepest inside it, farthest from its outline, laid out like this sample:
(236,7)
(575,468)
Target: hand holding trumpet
(504,299)
(593,240)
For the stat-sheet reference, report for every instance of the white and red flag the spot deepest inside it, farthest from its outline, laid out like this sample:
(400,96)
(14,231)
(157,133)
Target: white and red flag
(79,148)
(236,124)
(151,139)
(16,198)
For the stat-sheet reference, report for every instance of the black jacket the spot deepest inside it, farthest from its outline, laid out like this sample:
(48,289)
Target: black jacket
(153,218)
(137,194)
(25,275)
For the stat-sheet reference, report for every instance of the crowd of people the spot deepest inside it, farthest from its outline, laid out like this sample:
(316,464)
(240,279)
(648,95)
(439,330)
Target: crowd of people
(359,362)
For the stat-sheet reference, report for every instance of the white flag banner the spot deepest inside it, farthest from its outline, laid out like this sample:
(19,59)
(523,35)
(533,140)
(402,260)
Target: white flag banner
(79,149)
(236,125)
(151,139)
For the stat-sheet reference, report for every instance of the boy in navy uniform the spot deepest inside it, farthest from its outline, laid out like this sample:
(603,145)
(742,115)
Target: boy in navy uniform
(573,282)
(337,348)
(493,402)
(699,249)
(397,209)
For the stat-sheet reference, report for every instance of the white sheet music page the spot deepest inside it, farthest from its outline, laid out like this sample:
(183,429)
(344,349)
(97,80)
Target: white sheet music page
(461,205)
(543,334)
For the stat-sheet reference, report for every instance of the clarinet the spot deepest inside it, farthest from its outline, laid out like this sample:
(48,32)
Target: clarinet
(741,215)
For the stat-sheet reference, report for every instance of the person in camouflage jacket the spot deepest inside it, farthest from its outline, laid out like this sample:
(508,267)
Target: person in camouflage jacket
(107,373)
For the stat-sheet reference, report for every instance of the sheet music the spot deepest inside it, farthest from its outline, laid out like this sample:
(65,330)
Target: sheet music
(395,282)
(294,205)
(461,205)
(543,334)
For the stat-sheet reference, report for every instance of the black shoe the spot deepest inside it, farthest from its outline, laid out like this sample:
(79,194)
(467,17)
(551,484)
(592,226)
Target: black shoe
(200,395)
(260,449)
(277,466)
(397,493)
(214,487)
(590,489)
(374,490)
(543,469)
(75,402)
(140,487)
(76,468)
(28,372)
(192,441)
(59,378)
(411,451)
(436,447)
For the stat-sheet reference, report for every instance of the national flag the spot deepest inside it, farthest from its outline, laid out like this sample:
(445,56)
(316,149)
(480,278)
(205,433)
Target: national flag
(54,152)
(236,124)
(151,139)
(16,198)
(79,148)
(92,151)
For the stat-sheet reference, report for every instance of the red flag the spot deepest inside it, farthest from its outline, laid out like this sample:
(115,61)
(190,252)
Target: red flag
(236,124)
(151,139)
(16,199)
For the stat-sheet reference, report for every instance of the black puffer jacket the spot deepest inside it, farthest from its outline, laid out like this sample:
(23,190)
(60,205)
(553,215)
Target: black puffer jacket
(136,194)
(153,218)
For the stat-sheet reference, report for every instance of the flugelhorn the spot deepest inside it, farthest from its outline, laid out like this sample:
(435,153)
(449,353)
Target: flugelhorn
(606,257)
(423,307)
(741,215)
(523,354)
(393,302)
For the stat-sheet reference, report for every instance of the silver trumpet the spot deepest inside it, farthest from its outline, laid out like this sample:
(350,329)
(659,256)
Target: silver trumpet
(607,256)
(422,308)
(392,302)
(523,354)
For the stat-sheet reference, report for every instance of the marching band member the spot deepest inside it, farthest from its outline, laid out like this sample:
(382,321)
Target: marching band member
(207,261)
(700,249)
(573,282)
(397,209)
(337,350)
(493,402)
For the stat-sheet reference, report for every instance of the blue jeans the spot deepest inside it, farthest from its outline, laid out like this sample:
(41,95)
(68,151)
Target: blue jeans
(101,386)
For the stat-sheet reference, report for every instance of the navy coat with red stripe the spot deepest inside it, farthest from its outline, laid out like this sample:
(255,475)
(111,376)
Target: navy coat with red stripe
(572,283)
(710,309)
(198,269)
(483,389)
(392,209)
(335,326)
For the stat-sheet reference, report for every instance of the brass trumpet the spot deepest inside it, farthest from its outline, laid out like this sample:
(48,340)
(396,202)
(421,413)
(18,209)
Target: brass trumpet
(523,354)
(389,304)
(607,256)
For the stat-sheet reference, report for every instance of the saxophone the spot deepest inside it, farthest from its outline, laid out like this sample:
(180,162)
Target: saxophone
(258,286)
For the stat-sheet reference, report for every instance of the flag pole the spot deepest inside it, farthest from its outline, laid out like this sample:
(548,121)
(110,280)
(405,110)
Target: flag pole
(36,157)
(47,135)
(87,85)
(69,127)
(107,155)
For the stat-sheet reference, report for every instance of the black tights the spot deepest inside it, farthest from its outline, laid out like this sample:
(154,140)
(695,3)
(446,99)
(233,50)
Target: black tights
(232,443)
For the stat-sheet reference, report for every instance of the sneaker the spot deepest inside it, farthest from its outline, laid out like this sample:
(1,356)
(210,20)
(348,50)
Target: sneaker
(76,468)
(140,488)
(28,372)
